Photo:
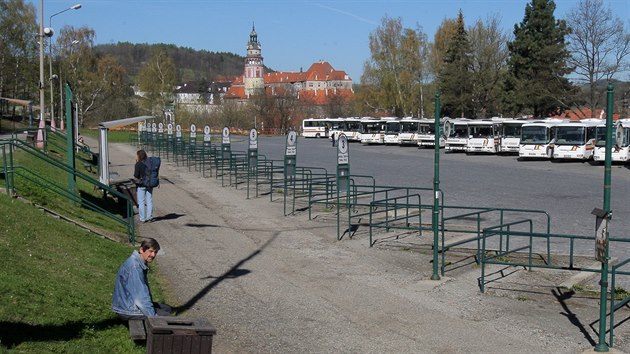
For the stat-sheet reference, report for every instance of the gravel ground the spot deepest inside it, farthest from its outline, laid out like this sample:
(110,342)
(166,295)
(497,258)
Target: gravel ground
(272,283)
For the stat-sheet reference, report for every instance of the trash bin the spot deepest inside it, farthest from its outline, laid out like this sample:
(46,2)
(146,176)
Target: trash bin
(179,335)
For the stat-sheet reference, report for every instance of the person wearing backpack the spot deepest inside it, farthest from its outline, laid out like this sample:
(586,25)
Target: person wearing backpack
(143,190)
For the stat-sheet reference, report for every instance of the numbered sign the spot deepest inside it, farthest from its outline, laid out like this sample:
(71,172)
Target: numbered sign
(253,139)
(169,129)
(206,134)
(178,131)
(225,135)
(291,143)
(342,150)
(153,127)
(193,131)
(160,127)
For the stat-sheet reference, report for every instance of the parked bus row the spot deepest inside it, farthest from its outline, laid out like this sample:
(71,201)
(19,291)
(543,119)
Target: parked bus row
(549,138)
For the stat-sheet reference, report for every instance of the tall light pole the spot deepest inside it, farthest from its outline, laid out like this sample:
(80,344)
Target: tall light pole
(47,32)
(52,106)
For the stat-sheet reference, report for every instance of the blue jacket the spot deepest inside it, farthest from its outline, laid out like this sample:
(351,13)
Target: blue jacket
(132,295)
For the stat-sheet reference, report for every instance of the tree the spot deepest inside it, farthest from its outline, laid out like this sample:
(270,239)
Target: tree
(98,82)
(598,44)
(157,80)
(455,77)
(489,63)
(394,75)
(439,47)
(537,65)
(18,50)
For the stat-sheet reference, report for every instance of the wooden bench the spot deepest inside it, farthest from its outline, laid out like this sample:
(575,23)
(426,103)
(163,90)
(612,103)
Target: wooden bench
(31,136)
(137,331)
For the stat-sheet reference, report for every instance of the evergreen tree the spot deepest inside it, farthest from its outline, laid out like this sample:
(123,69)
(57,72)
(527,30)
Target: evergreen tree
(536,82)
(455,78)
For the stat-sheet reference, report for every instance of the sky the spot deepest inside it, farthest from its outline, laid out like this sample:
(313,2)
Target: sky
(293,33)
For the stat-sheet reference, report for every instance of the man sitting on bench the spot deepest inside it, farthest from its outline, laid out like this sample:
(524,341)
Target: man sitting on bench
(132,296)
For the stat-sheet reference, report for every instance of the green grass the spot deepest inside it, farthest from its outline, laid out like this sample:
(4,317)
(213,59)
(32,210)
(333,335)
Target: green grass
(56,285)
(113,136)
(44,195)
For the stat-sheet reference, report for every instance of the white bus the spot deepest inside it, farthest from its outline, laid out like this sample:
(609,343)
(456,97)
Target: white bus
(426,133)
(575,140)
(457,139)
(537,139)
(483,136)
(621,142)
(408,131)
(350,127)
(372,130)
(510,135)
(316,127)
(392,131)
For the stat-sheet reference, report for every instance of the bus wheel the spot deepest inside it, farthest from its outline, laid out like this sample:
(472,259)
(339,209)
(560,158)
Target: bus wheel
(317,135)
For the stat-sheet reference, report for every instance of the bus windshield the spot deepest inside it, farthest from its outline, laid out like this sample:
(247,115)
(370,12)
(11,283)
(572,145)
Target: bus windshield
(409,127)
(481,131)
(600,138)
(511,130)
(570,136)
(534,135)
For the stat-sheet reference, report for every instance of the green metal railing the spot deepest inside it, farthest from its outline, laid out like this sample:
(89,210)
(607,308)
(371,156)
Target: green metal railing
(18,176)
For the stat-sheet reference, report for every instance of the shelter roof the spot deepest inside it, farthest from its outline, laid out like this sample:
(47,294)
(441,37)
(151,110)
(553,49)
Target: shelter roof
(125,121)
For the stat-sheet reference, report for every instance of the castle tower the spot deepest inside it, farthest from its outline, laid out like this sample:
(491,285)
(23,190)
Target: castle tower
(254,68)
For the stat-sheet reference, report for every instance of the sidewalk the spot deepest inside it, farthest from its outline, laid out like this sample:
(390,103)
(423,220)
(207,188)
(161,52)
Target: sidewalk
(271,283)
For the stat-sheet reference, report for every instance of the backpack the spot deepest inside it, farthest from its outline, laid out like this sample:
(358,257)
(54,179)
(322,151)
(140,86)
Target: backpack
(151,171)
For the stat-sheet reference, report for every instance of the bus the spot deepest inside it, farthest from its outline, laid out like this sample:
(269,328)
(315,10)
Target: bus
(392,131)
(350,127)
(426,133)
(621,141)
(538,138)
(457,139)
(575,140)
(372,130)
(510,135)
(408,131)
(316,128)
(483,136)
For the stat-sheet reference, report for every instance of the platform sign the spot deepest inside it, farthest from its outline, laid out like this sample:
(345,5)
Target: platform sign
(178,131)
(193,132)
(291,147)
(169,129)
(253,139)
(225,143)
(225,135)
(153,127)
(206,134)
(161,128)
(342,150)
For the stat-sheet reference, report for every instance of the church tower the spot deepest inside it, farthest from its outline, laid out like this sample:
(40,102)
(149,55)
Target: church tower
(253,78)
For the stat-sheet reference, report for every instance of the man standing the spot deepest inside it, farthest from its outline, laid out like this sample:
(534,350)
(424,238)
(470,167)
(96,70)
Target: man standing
(132,296)
(145,194)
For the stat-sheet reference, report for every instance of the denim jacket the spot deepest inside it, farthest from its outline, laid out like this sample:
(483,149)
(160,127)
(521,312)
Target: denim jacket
(132,295)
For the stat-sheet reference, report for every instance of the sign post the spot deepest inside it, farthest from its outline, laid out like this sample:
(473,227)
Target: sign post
(290,154)
(602,226)
(343,181)
(226,151)
(436,185)
(252,159)
(207,150)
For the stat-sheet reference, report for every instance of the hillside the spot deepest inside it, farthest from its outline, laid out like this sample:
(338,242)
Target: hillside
(192,64)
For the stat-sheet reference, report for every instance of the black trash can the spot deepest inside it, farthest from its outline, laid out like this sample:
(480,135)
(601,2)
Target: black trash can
(179,335)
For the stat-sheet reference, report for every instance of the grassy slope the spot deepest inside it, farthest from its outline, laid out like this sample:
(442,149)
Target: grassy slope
(56,282)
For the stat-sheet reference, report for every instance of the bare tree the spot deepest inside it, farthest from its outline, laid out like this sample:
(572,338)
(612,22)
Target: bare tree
(599,45)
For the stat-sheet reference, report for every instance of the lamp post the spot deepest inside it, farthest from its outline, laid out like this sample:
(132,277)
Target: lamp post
(52,108)
(43,32)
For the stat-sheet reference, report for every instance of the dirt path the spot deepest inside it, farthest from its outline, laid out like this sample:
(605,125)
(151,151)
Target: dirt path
(276,284)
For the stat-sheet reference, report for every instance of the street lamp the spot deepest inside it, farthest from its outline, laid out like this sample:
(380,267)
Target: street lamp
(43,32)
(52,107)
